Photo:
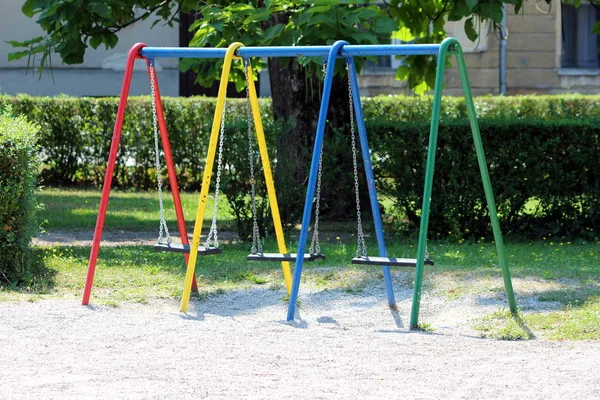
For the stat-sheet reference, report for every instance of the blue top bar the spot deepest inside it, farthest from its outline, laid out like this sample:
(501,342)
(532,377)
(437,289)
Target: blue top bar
(293,51)
(389,50)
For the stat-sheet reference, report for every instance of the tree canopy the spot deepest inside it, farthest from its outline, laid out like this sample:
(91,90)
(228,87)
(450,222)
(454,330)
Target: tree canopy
(73,26)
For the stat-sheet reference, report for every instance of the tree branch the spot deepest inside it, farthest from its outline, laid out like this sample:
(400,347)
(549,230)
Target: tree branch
(116,28)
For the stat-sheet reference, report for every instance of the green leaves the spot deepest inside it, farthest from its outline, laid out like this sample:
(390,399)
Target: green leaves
(272,33)
(470,29)
(471,4)
(286,23)
(100,9)
(27,8)
(17,55)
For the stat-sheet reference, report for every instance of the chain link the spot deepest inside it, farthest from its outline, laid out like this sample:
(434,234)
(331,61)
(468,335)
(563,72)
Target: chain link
(315,245)
(162,230)
(256,241)
(212,239)
(361,247)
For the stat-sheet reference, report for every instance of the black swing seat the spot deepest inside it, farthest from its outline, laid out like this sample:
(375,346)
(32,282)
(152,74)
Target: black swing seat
(388,261)
(185,248)
(284,257)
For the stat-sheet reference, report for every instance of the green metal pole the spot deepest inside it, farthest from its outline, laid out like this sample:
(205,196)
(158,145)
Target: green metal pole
(489,194)
(433,135)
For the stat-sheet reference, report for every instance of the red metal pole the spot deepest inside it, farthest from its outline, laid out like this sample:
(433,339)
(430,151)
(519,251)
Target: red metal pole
(112,158)
(164,136)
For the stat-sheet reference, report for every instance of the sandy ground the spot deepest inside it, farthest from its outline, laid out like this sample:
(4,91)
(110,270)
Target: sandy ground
(237,345)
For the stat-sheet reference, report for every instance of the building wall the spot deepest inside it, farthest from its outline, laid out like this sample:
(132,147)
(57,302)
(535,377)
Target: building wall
(532,60)
(102,72)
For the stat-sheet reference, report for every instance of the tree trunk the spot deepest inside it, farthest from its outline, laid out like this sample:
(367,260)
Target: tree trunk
(296,98)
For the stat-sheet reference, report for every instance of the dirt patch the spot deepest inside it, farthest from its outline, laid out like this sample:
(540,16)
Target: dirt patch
(237,345)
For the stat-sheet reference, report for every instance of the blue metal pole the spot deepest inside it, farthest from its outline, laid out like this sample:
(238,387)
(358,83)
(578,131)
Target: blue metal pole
(312,179)
(293,51)
(389,50)
(366,154)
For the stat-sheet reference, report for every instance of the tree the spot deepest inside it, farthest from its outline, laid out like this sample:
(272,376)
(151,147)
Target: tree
(72,26)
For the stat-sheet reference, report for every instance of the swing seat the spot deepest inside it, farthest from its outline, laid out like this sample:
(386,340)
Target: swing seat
(388,261)
(284,257)
(185,248)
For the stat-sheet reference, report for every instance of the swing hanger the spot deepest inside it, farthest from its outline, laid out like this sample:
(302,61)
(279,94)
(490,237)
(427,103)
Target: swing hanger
(257,252)
(165,242)
(362,257)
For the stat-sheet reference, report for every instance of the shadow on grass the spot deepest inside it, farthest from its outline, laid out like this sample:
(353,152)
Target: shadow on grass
(523,325)
(38,279)
(572,296)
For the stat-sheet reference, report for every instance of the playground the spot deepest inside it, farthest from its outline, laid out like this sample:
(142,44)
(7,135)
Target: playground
(390,325)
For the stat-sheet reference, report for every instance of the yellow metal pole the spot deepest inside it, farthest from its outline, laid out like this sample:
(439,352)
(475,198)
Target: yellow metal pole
(264,156)
(210,158)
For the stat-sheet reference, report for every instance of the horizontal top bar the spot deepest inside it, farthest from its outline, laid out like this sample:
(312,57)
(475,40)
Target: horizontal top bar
(293,51)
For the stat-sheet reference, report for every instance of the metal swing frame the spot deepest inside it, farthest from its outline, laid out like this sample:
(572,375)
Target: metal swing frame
(133,56)
(449,46)
(340,49)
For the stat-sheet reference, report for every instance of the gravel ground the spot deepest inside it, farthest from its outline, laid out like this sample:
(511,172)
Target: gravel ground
(237,345)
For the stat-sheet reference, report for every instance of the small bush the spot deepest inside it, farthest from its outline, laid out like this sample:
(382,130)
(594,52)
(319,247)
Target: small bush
(18,177)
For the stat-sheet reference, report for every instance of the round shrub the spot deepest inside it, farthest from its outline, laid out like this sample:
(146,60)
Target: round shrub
(18,177)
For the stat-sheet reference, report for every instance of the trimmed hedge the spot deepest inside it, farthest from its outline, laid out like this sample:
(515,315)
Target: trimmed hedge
(545,176)
(541,152)
(18,177)
(76,132)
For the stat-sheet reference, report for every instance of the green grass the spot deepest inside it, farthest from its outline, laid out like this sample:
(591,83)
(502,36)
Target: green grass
(133,211)
(568,271)
(503,325)
(580,322)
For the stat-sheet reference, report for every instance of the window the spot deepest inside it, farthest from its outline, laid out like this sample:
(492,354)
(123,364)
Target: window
(384,64)
(579,45)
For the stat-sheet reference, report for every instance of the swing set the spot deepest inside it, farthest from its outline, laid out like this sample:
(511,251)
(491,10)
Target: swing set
(330,54)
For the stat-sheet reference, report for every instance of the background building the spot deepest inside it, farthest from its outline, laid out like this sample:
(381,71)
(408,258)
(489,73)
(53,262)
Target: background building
(549,50)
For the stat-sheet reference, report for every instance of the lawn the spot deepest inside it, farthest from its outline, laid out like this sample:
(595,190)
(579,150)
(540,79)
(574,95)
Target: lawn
(568,270)
(131,211)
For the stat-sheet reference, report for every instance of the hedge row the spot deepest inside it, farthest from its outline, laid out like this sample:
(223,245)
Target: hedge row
(18,175)
(545,176)
(541,151)
(76,132)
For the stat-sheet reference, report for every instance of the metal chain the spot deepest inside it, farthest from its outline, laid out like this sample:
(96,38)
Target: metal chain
(163,222)
(315,245)
(361,246)
(256,242)
(424,171)
(212,240)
